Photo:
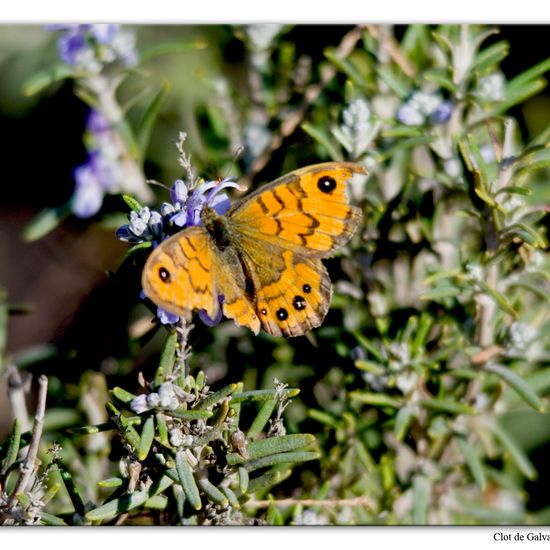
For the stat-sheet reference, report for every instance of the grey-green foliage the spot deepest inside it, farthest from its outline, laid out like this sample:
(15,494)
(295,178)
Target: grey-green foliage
(452,334)
(428,385)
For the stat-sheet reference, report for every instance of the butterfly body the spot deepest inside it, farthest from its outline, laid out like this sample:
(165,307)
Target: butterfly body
(263,257)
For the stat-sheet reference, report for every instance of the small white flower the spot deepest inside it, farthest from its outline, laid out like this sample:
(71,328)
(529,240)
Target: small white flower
(452,168)
(491,87)
(425,103)
(521,335)
(358,129)
(409,115)
(261,35)
(475,271)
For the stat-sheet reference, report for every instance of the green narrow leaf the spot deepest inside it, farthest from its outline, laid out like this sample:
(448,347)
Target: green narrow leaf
(236,406)
(128,431)
(273,445)
(282,458)
(273,515)
(403,420)
(263,395)
(243,479)
(162,429)
(474,462)
(167,358)
(447,405)
(185,414)
(324,418)
(71,487)
(369,346)
(89,430)
(122,395)
(231,497)
(45,222)
(370,366)
(499,298)
(442,78)
(522,388)
(110,482)
(517,454)
(421,500)
(133,203)
(51,492)
(530,74)
(146,439)
(212,492)
(518,94)
(376,399)
(49,519)
(492,55)
(42,79)
(129,501)
(13,448)
(323,139)
(263,482)
(261,419)
(145,125)
(527,234)
(214,398)
(346,67)
(187,480)
(399,84)
(157,502)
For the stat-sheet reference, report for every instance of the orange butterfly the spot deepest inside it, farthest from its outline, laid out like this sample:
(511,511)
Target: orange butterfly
(263,257)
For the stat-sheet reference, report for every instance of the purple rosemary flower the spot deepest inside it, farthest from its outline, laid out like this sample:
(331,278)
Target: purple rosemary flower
(442,113)
(423,107)
(90,47)
(101,173)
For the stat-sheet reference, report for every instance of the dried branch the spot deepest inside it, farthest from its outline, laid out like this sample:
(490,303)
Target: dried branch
(29,465)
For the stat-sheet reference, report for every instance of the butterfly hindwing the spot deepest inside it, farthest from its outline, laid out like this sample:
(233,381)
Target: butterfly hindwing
(187,272)
(298,301)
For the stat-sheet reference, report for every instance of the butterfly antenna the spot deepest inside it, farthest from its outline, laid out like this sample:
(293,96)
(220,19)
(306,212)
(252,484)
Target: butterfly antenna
(236,157)
(155,182)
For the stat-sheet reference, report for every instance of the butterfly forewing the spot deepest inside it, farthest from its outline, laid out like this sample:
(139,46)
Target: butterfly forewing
(306,211)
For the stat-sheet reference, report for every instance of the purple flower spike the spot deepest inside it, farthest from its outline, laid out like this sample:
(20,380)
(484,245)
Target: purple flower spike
(443,113)
(178,192)
(88,193)
(215,199)
(104,33)
(207,320)
(72,44)
(167,318)
(97,123)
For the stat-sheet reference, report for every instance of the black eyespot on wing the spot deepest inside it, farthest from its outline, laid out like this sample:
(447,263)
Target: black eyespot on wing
(306,288)
(263,311)
(282,314)
(164,275)
(299,303)
(326,184)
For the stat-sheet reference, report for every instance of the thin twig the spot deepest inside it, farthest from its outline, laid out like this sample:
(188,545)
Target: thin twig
(29,465)
(327,503)
(391,46)
(17,388)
